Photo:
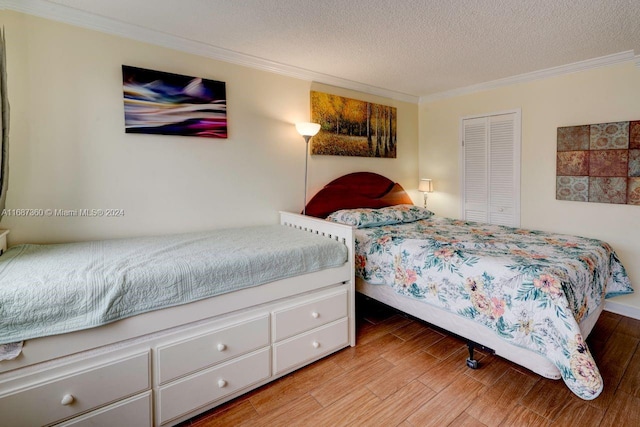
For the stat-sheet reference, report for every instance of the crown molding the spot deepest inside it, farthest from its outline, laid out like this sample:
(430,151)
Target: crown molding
(575,67)
(90,21)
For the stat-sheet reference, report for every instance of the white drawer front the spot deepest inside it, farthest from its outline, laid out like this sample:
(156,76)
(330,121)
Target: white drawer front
(309,315)
(178,359)
(49,401)
(135,412)
(188,394)
(311,345)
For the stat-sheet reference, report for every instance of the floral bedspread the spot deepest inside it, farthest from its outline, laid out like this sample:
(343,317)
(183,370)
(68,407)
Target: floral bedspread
(532,288)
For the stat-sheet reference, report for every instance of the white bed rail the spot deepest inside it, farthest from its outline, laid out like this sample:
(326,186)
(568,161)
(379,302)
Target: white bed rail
(339,232)
(332,230)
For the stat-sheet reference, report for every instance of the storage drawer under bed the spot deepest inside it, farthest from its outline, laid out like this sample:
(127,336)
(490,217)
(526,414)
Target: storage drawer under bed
(309,315)
(135,411)
(304,348)
(192,354)
(67,394)
(185,395)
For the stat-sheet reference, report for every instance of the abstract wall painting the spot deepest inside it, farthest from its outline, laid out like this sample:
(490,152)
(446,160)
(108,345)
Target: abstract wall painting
(599,163)
(349,127)
(156,102)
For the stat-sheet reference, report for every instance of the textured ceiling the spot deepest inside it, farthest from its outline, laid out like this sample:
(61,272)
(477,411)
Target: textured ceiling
(414,47)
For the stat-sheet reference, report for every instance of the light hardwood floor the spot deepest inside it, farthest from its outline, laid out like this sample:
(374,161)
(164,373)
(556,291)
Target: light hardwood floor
(404,373)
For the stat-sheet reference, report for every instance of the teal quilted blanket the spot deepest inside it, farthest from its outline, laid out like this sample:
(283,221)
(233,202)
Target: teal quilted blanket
(52,289)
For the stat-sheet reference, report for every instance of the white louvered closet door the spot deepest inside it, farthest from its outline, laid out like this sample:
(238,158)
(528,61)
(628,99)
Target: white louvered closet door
(476,180)
(491,168)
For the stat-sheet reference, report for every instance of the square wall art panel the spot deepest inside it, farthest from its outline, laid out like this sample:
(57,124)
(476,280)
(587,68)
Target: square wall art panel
(349,127)
(156,102)
(599,163)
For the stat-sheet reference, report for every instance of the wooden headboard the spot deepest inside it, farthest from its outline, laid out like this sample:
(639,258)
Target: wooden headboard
(357,190)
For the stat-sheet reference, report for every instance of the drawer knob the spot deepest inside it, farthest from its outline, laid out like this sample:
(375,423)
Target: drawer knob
(67,399)
(222,383)
(316,344)
(315,314)
(222,347)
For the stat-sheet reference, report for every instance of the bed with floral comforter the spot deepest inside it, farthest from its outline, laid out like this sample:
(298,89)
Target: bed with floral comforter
(531,288)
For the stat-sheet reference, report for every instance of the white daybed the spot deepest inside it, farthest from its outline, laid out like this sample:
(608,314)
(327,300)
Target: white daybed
(165,366)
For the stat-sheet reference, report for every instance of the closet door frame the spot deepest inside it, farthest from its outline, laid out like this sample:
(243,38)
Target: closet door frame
(516,161)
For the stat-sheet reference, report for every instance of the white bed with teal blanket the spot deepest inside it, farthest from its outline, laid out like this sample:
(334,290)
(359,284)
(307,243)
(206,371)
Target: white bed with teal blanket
(54,289)
(153,330)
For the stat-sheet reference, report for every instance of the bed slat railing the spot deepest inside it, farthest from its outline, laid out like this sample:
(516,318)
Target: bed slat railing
(331,230)
(339,232)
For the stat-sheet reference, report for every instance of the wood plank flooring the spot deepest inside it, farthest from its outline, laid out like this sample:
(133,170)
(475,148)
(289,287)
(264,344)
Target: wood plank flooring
(404,373)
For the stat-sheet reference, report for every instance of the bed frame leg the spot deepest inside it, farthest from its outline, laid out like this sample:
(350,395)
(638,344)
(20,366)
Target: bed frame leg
(471,362)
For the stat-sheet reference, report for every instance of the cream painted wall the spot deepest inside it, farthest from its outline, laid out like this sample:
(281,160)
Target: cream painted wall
(69,150)
(595,96)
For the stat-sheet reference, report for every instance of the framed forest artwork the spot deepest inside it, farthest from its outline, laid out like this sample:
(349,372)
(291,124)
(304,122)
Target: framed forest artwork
(349,127)
(156,102)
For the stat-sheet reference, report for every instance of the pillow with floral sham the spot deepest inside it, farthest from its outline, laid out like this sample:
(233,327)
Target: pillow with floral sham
(408,213)
(365,217)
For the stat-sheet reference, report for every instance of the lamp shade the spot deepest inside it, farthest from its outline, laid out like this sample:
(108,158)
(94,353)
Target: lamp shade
(426,186)
(307,129)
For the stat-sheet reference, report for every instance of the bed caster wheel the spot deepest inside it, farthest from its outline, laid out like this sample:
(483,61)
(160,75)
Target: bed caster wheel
(472,363)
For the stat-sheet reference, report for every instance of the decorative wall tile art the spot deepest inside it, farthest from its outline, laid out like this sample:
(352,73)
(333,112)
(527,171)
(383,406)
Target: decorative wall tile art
(573,138)
(156,102)
(608,189)
(633,193)
(605,136)
(634,163)
(573,163)
(634,135)
(608,162)
(574,188)
(599,163)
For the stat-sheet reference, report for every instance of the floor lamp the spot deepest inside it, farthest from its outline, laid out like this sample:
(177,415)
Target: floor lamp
(307,130)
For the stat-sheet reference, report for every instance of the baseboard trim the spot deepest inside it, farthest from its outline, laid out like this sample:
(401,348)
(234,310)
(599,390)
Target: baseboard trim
(624,310)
